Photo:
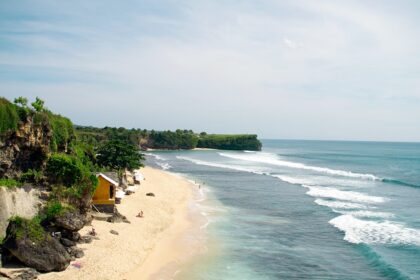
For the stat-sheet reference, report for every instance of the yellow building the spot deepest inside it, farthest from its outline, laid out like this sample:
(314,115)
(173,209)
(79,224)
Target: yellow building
(104,197)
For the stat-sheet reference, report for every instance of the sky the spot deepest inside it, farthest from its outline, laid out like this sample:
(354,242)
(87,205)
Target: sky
(287,69)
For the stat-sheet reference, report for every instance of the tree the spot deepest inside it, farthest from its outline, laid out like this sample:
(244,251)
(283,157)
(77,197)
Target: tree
(38,104)
(119,155)
(22,101)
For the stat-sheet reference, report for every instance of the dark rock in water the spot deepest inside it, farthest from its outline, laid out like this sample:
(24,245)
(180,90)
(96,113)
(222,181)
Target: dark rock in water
(150,194)
(66,242)
(71,221)
(35,248)
(114,232)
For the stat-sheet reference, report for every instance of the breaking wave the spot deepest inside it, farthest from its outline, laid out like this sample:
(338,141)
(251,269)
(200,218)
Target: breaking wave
(225,166)
(340,204)
(343,195)
(164,165)
(273,160)
(374,232)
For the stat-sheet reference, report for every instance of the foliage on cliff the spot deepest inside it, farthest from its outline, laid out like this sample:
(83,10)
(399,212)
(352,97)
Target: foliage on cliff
(179,139)
(229,142)
(40,147)
(14,115)
(9,117)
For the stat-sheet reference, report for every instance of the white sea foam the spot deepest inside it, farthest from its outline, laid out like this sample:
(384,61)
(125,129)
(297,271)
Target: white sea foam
(343,195)
(324,181)
(366,214)
(293,180)
(158,157)
(340,204)
(164,165)
(371,232)
(225,166)
(274,160)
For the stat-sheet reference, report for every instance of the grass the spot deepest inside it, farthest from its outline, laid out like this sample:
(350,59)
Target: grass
(55,208)
(9,183)
(28,228)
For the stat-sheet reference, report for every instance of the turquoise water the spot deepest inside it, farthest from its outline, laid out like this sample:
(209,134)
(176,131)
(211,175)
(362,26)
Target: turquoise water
(306,210)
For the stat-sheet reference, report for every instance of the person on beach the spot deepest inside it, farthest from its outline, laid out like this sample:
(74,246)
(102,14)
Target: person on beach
(92,232)
(140,214)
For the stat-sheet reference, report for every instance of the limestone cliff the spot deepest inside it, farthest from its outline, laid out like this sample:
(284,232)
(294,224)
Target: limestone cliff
(25,148)
(22,202)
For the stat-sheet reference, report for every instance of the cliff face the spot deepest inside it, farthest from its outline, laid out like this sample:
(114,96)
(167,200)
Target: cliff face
(23,149)
(21,202)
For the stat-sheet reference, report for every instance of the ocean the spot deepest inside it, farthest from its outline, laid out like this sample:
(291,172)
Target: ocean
(305,210)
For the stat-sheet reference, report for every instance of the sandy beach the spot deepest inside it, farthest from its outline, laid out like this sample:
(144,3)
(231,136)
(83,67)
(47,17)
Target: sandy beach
(146,247)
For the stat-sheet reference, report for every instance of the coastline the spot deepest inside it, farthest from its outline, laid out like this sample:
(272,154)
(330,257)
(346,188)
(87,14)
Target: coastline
(154,245)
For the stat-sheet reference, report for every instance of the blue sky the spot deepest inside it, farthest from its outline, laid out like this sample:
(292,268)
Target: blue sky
(346,70)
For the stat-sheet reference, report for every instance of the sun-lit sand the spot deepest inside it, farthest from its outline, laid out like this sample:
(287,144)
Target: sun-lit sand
(146,246)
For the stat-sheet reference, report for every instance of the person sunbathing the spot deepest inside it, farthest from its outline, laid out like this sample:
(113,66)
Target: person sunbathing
(140,214)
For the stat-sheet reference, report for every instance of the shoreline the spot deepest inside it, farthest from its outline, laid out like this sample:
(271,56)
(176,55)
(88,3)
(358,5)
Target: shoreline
(165,150)
(158,244)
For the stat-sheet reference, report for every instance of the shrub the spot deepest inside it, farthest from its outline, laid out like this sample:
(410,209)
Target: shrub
(9,183)
(9,118)
(32,176)
(53,209)
(63,169)
(62,132)
(28,228)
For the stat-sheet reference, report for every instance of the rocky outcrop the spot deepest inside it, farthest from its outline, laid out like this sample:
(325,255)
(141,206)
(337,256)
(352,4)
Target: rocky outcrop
(70,221)
(23,202)
(44,253)
(23,149)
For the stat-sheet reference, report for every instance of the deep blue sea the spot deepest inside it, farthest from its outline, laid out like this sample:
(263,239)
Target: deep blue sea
(306,210)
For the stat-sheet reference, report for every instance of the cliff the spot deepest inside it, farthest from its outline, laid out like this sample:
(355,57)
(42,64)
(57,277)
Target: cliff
(17,202)
(25,148)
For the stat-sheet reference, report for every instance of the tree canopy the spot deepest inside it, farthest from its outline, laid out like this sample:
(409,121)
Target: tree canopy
(119,155)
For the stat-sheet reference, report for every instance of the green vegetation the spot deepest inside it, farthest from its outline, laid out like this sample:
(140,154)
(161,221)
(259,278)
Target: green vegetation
(38,104)
(9,183)
(53,209)
(63,132)
(12,114)
(119,155)
(28,228)
(9,117)
(179,139)
(72,180)
(32,176)
(64,170)
(229,142)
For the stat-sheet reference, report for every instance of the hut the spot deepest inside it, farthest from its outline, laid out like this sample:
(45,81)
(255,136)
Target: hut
(104,197)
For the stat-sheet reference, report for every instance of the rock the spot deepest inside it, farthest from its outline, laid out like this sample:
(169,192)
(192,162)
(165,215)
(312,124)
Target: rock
(37,250)
(20,274)
(26,148)
(117,218)
(66,242)
(75,252)
(114,232)
(150,194)
(71,221)
(86,239)
(71,235)
(27,274)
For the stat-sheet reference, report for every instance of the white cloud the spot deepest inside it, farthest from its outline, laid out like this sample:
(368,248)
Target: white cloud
(237,67)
